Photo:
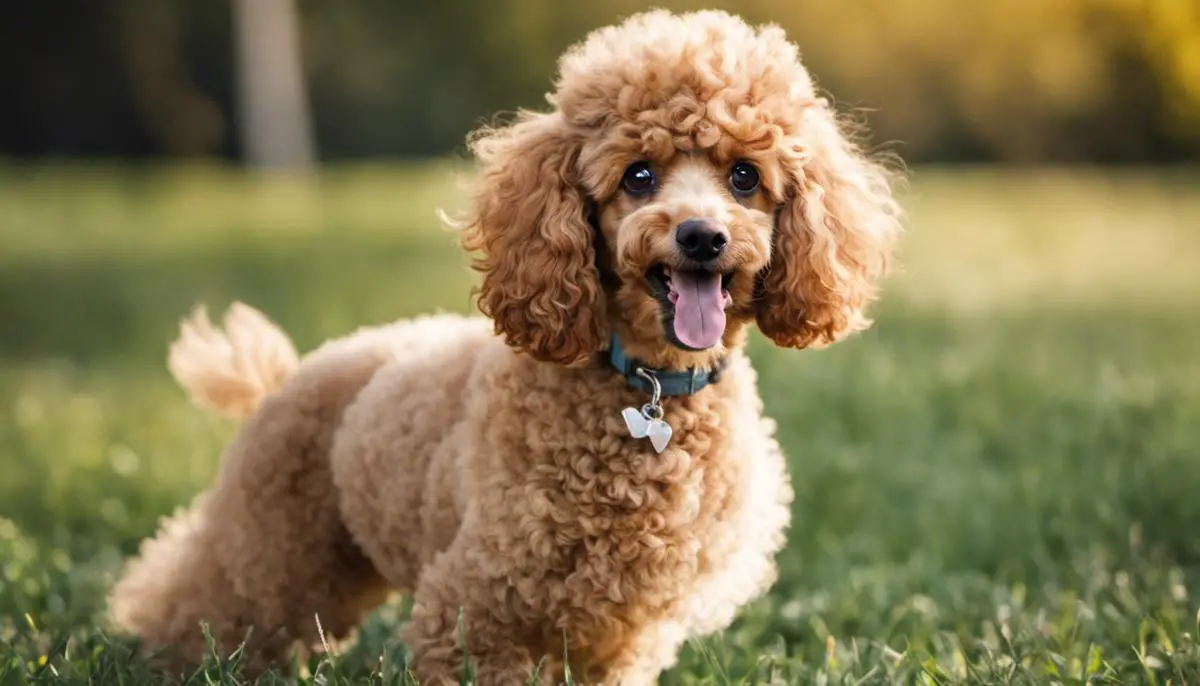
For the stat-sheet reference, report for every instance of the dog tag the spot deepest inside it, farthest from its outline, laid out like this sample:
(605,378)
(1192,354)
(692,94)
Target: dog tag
(660,434)
(648,423)
(639,426)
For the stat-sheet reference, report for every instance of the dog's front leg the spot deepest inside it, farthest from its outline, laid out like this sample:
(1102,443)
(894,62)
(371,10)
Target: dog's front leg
(463,596)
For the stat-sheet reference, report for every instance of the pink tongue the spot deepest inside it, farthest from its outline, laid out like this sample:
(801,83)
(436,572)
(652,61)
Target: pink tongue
(699,310)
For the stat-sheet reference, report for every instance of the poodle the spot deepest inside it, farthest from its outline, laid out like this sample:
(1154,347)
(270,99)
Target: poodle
(583,478)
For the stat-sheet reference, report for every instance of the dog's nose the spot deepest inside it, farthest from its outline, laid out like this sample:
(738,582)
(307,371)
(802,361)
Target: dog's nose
(701,239)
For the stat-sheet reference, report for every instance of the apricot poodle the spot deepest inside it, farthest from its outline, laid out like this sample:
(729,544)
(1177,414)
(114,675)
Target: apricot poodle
(587,471)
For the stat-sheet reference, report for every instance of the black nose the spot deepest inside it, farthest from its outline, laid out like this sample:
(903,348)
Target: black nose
(701,239)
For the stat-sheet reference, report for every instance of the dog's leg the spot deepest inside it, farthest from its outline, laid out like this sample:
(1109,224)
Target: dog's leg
(175,585)
(637,660)
(463,595)
(266,549)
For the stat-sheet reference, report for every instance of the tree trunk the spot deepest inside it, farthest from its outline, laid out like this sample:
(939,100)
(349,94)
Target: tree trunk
(275,126)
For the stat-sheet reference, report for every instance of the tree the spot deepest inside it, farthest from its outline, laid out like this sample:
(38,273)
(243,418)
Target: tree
(273,104)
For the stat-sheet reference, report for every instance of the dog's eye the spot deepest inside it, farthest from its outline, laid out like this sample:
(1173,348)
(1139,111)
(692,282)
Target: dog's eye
(638,179)
(743,178)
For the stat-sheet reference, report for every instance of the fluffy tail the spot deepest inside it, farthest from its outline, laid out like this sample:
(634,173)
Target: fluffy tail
(231,370)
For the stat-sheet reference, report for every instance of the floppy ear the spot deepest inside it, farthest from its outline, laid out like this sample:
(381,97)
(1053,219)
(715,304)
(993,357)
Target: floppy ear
(833,239)
(529,225)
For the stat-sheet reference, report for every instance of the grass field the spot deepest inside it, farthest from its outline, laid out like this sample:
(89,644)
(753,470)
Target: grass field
(999,483)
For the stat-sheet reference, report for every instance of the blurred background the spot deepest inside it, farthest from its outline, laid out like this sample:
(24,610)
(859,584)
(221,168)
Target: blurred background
(997,483)
(1016,81)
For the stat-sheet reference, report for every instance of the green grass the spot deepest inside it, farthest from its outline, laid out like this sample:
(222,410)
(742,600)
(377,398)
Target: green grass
(999,483)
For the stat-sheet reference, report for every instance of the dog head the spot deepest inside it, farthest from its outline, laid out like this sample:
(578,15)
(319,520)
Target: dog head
(687,184)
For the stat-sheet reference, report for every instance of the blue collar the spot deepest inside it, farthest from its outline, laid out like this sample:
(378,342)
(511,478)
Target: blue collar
(672,383)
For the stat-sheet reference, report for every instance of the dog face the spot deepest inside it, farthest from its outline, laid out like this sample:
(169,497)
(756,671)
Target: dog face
(688,183)
(685,236)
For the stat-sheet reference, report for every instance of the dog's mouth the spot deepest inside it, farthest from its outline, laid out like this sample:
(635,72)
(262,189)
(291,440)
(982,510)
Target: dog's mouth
(693,304)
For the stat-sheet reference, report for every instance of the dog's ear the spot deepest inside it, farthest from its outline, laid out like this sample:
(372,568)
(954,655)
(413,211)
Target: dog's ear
(529,226)
(833,239)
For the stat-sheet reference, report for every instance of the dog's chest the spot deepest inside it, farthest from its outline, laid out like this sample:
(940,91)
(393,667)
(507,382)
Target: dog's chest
(624,530)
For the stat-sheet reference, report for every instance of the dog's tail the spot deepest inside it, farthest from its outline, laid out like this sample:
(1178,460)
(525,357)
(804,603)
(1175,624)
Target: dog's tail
(231,370)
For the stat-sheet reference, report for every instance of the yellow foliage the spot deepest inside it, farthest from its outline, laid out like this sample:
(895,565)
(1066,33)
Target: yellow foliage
(1014,73)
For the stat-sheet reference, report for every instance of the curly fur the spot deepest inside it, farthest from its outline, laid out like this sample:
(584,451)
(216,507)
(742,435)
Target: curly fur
(481,464)
(539,281)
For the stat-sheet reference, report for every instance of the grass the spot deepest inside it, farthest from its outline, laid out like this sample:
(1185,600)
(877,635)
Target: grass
(997,484)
